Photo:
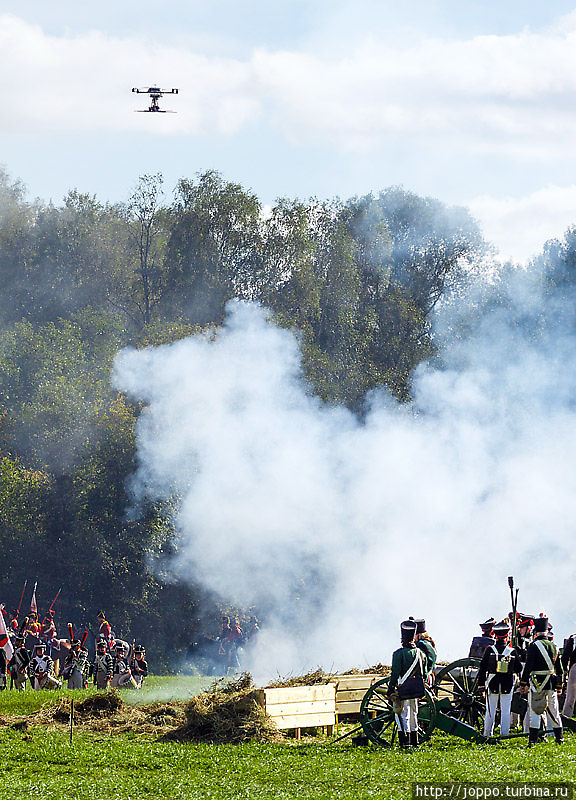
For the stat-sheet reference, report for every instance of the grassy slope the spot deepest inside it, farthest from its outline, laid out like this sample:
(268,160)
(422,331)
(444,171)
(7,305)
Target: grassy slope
(41,763)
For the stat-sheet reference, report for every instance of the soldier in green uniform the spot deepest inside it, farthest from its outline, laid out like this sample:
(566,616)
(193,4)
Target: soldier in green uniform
(406,684)
(426,643)
(542,681)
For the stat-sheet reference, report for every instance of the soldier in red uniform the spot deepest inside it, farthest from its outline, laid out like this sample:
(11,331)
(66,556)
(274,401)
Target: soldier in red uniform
(105,629)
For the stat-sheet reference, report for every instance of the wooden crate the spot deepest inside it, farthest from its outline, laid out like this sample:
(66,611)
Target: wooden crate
(350,690)
(300,707)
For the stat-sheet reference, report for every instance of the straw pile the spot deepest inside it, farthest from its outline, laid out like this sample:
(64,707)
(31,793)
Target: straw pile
(228,713)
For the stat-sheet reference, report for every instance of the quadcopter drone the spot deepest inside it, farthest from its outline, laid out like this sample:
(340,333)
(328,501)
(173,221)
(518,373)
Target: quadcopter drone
(155,94)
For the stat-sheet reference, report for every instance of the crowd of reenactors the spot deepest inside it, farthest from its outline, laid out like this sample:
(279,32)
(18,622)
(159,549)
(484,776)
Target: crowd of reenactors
(39,656)
(517,654)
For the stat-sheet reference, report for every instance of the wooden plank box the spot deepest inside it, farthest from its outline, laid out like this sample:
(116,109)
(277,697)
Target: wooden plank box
(350,691)
(298,707)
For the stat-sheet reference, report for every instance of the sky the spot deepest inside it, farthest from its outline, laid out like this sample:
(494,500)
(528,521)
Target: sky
(473,103)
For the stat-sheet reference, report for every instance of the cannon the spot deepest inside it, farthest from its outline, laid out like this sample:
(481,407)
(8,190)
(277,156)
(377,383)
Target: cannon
(453,704)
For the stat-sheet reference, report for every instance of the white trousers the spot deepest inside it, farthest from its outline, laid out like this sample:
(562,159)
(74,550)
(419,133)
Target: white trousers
(46,682)
(568,707)
(123,679)
(551,712)
(407,719)
(493,700)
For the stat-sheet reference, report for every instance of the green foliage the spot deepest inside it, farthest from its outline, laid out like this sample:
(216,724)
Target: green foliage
(213,250)
(357,281)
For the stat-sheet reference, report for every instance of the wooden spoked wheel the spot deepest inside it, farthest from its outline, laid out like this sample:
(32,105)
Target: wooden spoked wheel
(458,682)
(379,721)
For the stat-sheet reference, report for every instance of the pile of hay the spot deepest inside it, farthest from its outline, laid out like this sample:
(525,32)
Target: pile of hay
(106,711)
(231,712)
(97,706)
(310,679)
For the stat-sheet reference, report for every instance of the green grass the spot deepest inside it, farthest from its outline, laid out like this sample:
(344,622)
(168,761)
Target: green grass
(156,689)
(41,763)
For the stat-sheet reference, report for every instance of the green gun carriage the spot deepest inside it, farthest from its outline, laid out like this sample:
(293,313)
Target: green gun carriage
(453,704)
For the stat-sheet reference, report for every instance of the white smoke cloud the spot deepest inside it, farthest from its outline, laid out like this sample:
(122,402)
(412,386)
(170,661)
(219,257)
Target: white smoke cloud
(340,528)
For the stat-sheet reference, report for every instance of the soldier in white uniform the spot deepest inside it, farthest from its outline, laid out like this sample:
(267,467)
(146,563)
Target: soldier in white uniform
(121,672)
(41,670)
(497,674)
(76,666)
(102,667)
(542,681)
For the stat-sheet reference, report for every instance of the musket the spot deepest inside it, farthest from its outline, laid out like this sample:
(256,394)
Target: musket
(514,598)
(56,598)
(21,598)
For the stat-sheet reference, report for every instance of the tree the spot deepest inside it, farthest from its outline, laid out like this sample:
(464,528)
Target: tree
(213,250)
(146,221)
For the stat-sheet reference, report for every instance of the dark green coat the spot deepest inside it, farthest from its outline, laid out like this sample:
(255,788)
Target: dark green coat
(401,662)
(429,655)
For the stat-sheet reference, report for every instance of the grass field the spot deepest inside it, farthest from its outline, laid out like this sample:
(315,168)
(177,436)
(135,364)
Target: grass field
(40,762)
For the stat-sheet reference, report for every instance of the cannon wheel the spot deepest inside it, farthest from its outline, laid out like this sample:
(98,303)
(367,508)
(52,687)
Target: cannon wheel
(458,682)
(379,721)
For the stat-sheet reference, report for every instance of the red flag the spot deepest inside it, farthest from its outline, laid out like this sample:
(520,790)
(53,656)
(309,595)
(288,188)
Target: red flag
(33,606)
(5,642)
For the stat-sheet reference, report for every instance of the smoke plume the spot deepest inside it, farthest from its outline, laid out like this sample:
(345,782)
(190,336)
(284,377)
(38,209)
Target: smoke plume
(336,527)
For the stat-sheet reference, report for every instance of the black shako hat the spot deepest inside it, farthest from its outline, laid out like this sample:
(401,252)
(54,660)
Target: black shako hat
(541,624)
(488,625)
(420,625)
(408,630)
(501,630)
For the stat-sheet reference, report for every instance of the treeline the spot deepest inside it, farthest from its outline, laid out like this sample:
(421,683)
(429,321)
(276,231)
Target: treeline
(358,280)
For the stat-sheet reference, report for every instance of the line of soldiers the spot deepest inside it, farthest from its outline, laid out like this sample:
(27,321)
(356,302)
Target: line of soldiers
(116,668)
(533,667)
(108,669)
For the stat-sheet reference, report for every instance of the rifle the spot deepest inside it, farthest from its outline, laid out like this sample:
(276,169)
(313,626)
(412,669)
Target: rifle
(133,655)
(53,601)
(514,598)
(21,598)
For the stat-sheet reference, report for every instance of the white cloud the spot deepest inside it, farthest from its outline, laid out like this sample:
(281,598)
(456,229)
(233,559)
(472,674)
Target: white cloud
(83,82)
(510,94)
(519,226)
